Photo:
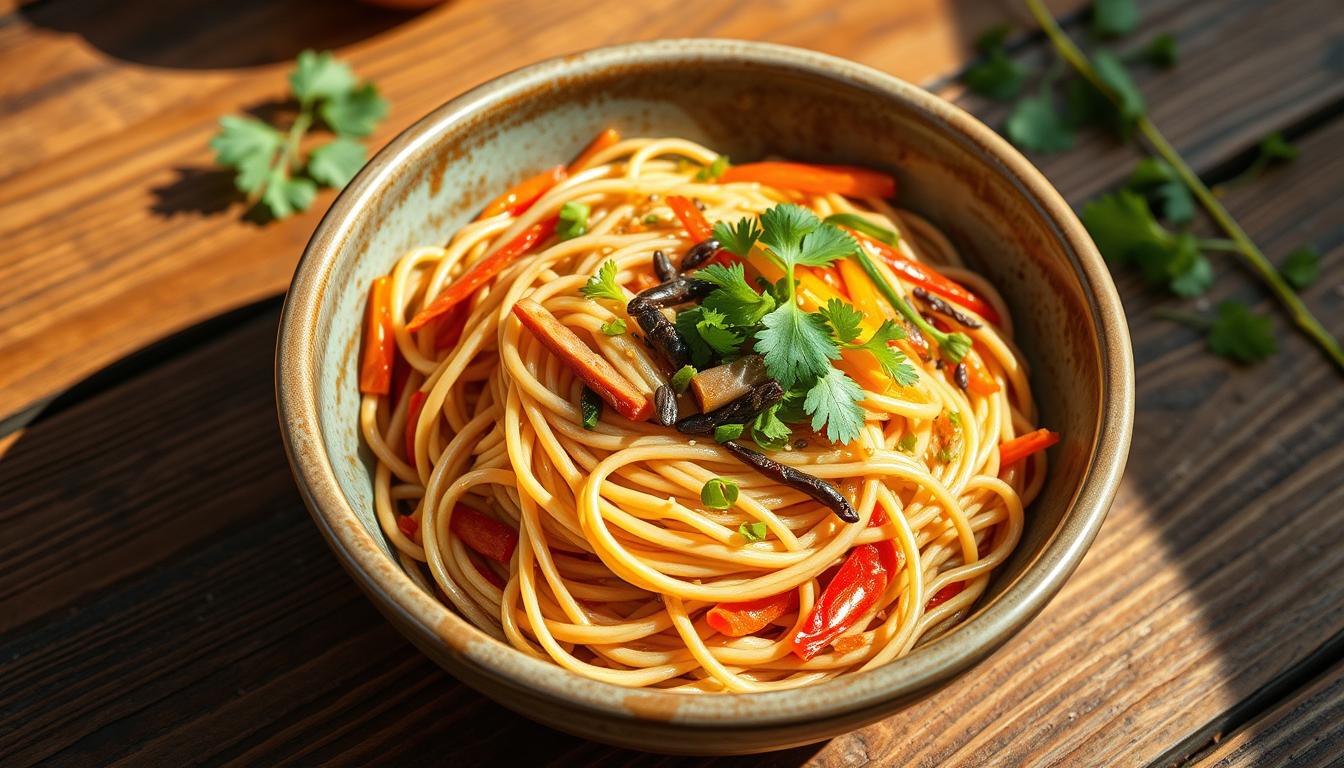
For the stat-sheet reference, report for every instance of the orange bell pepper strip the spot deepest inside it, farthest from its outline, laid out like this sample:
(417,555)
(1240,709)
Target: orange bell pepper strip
(527,192)
(1019,448)
(981,382)
(482,272)
(924,276)
(597,373)
(848,180)
(697,226)
(380,345)
(605,139)
(751,616)
(484,535)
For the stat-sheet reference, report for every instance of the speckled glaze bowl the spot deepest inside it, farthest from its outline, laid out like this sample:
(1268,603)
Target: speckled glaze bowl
(748,100)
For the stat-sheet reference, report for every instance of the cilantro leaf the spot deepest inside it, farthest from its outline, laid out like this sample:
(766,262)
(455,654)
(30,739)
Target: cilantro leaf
(797,346)
(1161,51)
(713,328)
(1156,176)
(682,378)
(336,162)
(603,284)
(824,245)
(1121,221)
(769,431)
(714,170)
(1301,267)
(719,493)
(725,432)
(783,229)
(1275,147)
(320,76)
(687,324)
(248,145)
(614,327)
(738,238)
(285,195)
(833,402)
(996,76)
(891,359)
(753,531)
(1239,334)
(1114,18)
(737,300)
(844,319)
(355,112)
(573,220)
(993,38)
(1111,69)
(1035,125)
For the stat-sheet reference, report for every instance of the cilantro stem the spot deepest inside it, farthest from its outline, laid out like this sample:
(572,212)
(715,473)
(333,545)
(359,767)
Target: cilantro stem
(1246,249)
(1217,244)
(1198,322)
(296,131)
(953,345)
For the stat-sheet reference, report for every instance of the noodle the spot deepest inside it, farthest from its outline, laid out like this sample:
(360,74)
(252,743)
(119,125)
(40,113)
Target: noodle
(617,561)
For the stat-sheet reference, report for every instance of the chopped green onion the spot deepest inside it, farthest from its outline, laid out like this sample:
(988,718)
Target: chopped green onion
(861,224)
(719,493)
(590,405)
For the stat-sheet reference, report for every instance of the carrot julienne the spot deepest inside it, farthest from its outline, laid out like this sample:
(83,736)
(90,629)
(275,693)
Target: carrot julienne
(690,217)
(751,616)
(486,535)
(608,137)
(482,272)
(1021,447)
(847,180)
(380,345)
(517,200)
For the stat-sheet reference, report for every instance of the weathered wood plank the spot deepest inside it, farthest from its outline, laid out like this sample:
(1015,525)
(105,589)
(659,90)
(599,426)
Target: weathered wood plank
(210,625)
(1306,730)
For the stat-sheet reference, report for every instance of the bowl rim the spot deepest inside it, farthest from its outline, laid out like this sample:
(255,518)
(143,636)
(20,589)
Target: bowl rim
(432,625)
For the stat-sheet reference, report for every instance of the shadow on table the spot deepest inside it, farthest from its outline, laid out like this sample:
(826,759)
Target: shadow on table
(205,596)
(212,34)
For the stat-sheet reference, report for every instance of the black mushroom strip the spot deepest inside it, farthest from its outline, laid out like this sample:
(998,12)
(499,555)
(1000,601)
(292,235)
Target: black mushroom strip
(937,304)
(699,254)
(646,309)
(961,375)
(665,406)
(663,268)
(739,411)
(814,487)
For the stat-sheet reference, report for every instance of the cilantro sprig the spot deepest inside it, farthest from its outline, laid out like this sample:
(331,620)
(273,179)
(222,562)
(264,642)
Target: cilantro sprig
(270,168)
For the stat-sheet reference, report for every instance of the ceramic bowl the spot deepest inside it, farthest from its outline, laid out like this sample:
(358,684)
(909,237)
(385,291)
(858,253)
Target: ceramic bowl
(747,100)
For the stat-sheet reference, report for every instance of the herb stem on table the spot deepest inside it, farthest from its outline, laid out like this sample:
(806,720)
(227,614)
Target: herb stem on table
(1241,243)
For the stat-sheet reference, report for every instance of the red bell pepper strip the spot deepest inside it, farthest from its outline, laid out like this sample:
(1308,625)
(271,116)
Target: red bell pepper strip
(690,217)
(409,526)
(604,139)
(380,345)
(923,276)
(482,272)
(413,409)
(485,535)
(488,574)
(848,180)
(856,588)
(751,616)
(945,594)
(1021,447)
(597,373)
(527,192)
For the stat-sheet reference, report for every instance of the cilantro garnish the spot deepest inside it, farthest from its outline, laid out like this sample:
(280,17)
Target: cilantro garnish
(954,346)
(603,284)
(753,531)
(1234,332)
(714,170)
(682,378)
(573,220)
(769,431)
(614,327)
(1301,267)
(734,297)
(719,493)
(725,432)
(833,402)
(271,170)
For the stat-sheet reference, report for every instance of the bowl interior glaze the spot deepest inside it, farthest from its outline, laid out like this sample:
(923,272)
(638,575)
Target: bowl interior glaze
(749,101)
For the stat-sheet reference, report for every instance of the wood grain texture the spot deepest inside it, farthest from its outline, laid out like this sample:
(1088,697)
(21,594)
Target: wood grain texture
(1304,731)
(164,599)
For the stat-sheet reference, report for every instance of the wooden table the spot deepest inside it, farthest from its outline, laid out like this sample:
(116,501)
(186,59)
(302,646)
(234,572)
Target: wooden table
(164,598)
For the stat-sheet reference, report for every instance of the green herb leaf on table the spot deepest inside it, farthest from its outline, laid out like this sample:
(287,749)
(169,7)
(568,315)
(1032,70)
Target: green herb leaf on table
(249,145)
(1127,232)
(336,162)
(573,220)
(1111,69)
(1161,51)
(1155,176)
(1114,18)
(995,75)
(1239,334)
(603,284)
(355,112)
(1035,125)
(753,531)
(1301,267)
(719,493)
(1274,147)
(285,195)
